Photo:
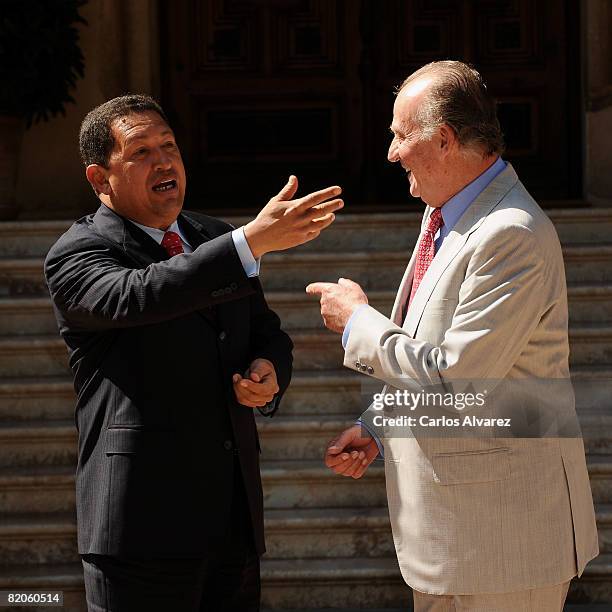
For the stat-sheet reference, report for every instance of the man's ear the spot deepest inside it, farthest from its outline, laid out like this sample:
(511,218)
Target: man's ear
(97,177)
(448,138)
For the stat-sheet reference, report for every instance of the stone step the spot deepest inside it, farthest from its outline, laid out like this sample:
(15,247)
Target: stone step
(31,443)
(36,539)
(33,355)
(311,393)
(30,238)
(55,577)
(350,231)
(287,484)
(33,539)
(588,302)
(54,442)
(304,533)
(37,398)
(591,343)
(383,270)
(600,475)
(293,270)
(46,355)
(333,582)
(46,489)
(27,316)
(40,398)
(314,584)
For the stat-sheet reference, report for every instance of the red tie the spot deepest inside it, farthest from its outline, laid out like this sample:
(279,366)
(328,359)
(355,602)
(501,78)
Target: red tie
(172,243)
(427,250)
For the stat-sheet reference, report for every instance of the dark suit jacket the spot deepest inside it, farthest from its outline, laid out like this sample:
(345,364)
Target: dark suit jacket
(153,344)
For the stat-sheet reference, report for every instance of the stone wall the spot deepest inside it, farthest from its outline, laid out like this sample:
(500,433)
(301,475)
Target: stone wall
(121,56)
(121,49)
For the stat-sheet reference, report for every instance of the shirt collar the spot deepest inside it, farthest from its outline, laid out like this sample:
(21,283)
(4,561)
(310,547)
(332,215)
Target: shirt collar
(158,234)
(454,208)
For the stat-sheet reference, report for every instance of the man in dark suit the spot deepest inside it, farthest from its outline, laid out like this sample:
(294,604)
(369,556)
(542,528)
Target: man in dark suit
(172,346)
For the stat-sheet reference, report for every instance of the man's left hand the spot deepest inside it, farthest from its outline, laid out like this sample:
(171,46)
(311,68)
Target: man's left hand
(338,301)
(258,386)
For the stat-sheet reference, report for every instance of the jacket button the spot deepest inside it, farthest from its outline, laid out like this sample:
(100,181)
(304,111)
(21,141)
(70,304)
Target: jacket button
(358,365)
(228,445)
(364,367)
(370,370)
(222,336)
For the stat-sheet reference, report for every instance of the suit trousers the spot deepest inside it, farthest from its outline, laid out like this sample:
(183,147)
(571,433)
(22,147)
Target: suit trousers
(227,581)
(544,599)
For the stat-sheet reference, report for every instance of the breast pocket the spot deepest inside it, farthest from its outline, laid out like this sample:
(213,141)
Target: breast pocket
(467,467)
(440,307)
(436,319)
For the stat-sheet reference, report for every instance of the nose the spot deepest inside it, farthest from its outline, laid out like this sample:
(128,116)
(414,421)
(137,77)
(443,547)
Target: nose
(392,153)
(162,161)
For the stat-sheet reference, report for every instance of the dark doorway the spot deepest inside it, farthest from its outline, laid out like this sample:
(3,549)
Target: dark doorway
(259,89)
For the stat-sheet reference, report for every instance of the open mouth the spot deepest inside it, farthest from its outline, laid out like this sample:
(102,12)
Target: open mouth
(165,186)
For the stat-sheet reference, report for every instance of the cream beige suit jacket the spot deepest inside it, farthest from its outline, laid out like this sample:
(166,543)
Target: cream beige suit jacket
(479,515)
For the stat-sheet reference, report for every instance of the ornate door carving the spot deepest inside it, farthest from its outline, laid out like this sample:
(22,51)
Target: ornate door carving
(258,89)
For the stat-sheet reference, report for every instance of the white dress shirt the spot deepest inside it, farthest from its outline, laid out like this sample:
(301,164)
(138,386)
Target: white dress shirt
(249,263)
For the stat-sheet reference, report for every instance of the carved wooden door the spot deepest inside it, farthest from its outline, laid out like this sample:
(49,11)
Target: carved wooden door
(259,89)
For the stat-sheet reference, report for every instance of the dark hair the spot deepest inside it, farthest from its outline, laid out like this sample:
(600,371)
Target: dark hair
(458,97)
(95,136)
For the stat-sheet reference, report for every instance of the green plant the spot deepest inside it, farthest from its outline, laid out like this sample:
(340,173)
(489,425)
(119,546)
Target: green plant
(40,58)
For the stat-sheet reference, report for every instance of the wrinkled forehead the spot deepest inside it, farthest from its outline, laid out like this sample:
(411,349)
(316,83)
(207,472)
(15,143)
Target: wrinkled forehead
(138,125)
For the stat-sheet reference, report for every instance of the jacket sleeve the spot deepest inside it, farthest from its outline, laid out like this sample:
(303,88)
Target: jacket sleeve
(502,298)
(93,287)
(269,341)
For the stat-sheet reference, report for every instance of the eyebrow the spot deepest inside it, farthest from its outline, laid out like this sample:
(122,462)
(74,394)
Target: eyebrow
(131,139)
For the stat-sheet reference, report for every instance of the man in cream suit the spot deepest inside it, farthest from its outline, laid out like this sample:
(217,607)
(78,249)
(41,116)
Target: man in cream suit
(480,522)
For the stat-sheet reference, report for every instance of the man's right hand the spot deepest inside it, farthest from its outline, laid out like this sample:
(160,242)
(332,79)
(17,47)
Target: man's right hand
(284,223)
(351,453)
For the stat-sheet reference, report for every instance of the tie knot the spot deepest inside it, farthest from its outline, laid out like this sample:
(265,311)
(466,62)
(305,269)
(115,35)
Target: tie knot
(435,221)
(172,243)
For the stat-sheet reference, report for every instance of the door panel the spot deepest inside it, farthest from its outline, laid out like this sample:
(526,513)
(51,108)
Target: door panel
(259,89)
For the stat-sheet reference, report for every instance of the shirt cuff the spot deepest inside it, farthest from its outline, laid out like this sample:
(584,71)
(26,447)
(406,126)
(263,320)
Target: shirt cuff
(381,449)
(249,263)
(270,408)
(347,328)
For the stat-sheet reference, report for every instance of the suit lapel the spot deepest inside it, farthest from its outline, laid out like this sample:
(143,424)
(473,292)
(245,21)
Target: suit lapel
(138,245)
(196,235)
(456,240)
(406,283)
(195,232)
(141,248)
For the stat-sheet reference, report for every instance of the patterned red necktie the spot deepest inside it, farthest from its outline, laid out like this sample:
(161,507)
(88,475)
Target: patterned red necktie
(172,243)
(427,250)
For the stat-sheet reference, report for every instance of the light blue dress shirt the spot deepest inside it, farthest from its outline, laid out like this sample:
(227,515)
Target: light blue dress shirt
(249,263)
(452,211)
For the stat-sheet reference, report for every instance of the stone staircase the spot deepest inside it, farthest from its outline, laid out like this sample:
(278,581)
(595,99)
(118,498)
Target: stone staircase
(329,542)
